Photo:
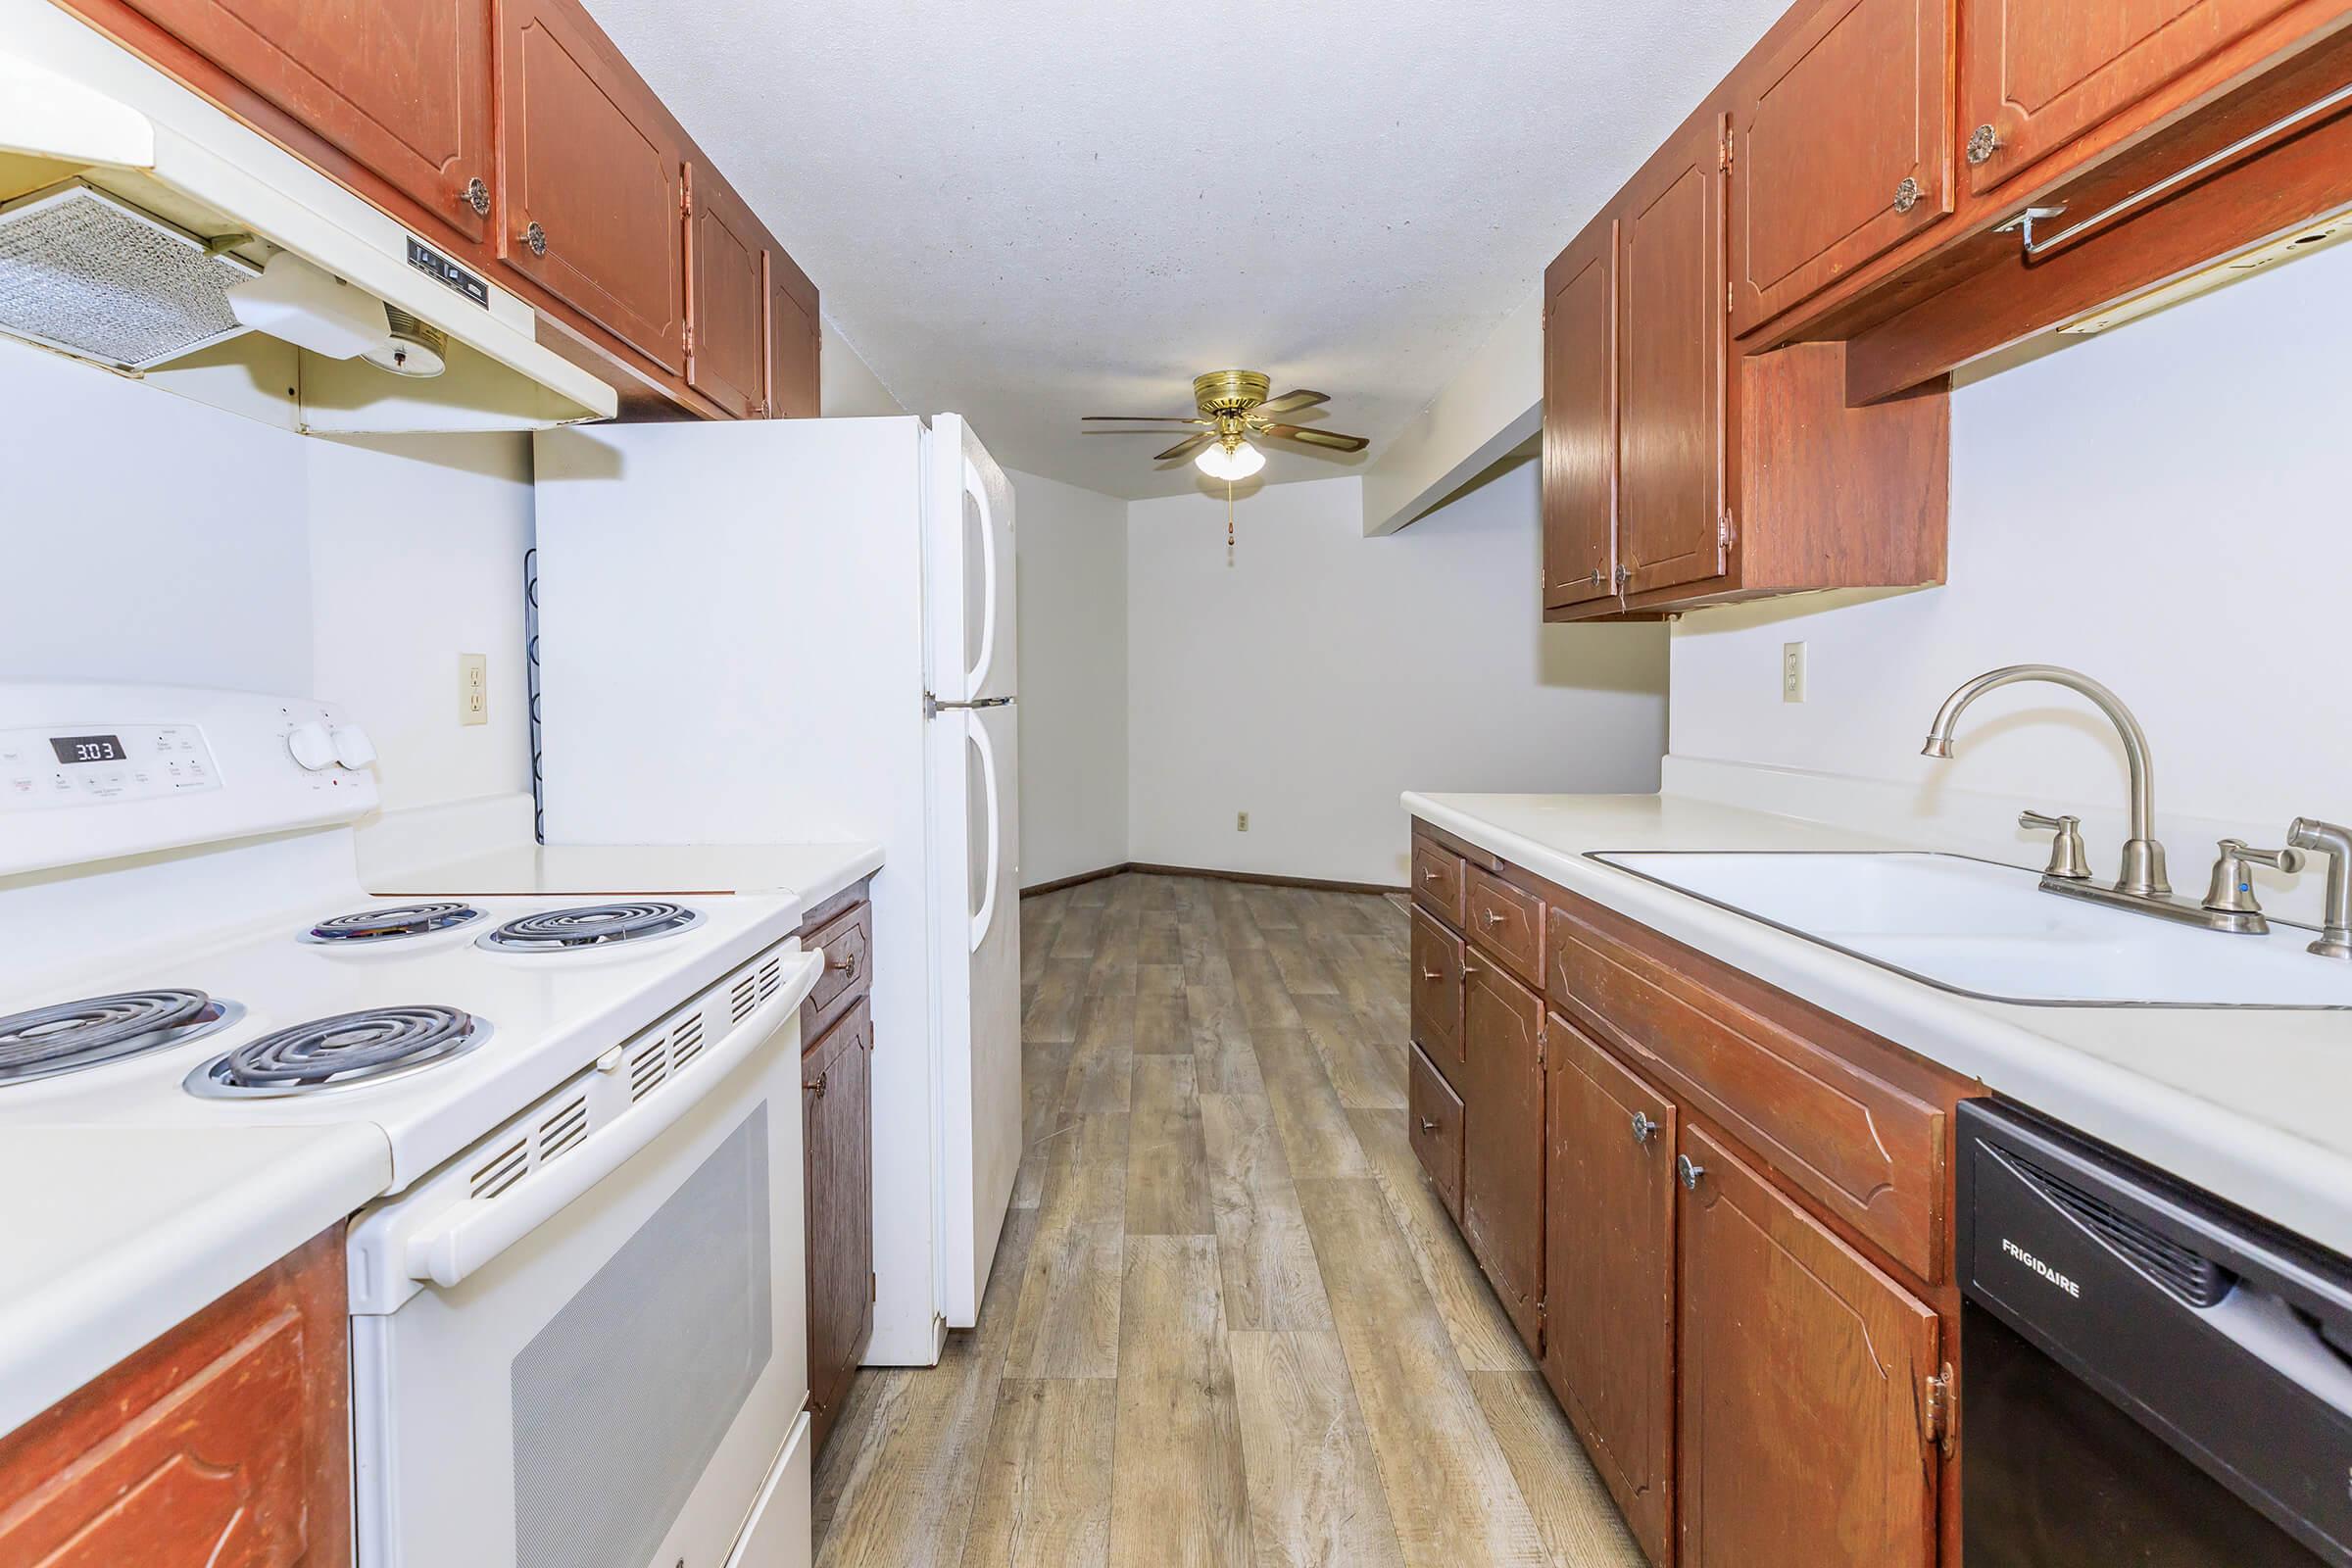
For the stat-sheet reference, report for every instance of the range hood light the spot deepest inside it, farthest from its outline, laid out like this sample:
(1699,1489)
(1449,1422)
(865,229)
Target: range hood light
(416,351)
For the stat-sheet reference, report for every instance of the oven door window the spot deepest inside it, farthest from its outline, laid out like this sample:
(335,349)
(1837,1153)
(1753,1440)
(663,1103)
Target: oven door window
(620,1401)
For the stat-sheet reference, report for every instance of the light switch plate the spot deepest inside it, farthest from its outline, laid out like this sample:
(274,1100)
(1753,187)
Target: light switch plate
(1792,672)
(474,689)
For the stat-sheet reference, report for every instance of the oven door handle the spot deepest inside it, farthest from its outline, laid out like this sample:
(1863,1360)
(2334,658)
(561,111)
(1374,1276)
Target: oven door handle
(454,1243)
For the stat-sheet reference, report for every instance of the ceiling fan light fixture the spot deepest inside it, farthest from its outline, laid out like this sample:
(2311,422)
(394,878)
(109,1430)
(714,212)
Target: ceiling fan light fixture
(1230,462)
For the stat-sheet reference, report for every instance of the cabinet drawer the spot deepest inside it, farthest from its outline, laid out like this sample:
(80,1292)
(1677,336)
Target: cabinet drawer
(1508,923)
(1437,989)
(1438,880)
(848,942)
(1436,1112)
(1838,1112)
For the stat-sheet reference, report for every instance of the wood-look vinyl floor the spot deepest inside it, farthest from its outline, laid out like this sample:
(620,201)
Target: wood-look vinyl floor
(1230,1322)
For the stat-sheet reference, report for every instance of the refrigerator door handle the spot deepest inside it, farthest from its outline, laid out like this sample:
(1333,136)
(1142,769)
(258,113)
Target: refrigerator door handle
(987,914)
(973,486)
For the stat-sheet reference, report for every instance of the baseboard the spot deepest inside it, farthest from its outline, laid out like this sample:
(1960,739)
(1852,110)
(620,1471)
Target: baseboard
(1256,878)
(1264,879)
(1080,880)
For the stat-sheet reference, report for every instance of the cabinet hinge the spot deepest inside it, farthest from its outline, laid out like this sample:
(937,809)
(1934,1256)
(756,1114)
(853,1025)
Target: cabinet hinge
(1543,1054)
(686,202)
(1725,530)
(1722,152)
(874,1287)
(690,340)
(1935,1408)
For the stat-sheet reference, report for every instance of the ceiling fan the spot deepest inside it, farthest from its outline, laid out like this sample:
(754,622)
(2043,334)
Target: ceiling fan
(1235,414)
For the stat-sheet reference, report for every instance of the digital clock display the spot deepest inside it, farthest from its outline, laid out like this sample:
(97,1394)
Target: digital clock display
(88,747)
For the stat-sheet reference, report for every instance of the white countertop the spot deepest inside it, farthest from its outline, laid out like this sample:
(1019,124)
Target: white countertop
(2249,1105)
(815,871)
(114,1235)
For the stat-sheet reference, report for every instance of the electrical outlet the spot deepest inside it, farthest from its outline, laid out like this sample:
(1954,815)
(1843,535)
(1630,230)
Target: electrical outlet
(1792,672)
(1240,822)
(474,689)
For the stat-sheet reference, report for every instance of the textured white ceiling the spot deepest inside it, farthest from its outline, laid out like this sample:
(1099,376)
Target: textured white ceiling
(1029,213)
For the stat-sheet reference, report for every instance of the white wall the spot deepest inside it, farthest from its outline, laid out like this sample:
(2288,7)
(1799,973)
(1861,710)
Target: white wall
(1071,551)
(2165,507)
(149,538)
(847,387)
(1321,673)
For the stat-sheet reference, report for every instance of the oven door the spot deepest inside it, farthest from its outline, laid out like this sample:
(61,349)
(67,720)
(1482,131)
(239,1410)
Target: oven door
(610,1382)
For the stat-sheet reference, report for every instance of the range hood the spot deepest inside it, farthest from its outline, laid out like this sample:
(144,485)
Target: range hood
(144,231)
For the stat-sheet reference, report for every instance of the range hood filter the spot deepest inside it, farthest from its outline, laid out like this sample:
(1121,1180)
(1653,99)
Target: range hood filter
(89,273)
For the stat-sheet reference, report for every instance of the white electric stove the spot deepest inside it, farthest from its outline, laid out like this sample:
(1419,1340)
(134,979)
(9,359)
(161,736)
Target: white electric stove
(578,1314)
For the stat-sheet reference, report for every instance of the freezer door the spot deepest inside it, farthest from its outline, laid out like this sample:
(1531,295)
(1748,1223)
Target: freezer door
(969,645)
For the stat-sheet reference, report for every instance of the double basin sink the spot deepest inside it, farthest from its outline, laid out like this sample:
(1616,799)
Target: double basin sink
(1987,930)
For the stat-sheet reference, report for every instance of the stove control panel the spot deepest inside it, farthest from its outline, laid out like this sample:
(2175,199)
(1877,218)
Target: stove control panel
(92,770)
(100,764)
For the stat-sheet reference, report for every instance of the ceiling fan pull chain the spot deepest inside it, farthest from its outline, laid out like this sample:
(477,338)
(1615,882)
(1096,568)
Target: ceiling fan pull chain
(1228,522)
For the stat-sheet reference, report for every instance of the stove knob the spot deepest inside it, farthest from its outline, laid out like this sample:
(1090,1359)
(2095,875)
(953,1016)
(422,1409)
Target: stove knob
(353,749)
(311,745)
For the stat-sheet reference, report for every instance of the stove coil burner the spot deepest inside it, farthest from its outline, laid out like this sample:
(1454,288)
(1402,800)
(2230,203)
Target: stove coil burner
(384,925)
(595,925)
(341,1051)
(73,1035)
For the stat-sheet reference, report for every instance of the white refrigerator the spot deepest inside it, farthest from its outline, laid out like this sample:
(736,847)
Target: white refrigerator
(799,630)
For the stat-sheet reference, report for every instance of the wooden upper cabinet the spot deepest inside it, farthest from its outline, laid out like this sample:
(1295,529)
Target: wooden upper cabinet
(592,171)
(727,301)
(1580,421)
(2039,74)
(1502,1086)
(1608,1270)
(1671,355)
(795,342)
(1805,1373)
(1839,148)
(400,87)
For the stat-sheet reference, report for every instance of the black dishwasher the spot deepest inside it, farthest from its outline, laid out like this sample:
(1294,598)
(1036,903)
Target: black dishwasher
(2150,1377)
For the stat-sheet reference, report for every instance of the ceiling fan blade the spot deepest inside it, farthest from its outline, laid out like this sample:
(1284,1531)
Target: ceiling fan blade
(1319,438)
(1293,402)
(1184,448)
(1139,419)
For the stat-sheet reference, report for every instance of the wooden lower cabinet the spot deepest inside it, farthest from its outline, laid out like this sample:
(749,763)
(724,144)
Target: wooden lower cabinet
(1808,1392)
(1501,1087)
(836,1128)
(225,1442)
(1608,1275)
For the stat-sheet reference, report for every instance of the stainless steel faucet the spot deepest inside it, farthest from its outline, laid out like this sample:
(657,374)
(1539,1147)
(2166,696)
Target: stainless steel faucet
(2143,858)
(2335,842)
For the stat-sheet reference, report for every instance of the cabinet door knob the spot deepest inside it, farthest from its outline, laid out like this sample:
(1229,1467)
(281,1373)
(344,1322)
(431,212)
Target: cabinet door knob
(818,1088)
(535,238)
(847,963)
(1982,143)
(476,195)
(1494,916)
(1432,974)
(1428,1126)
(1689,1172)
(1643,1128)
(1429,876)
(1906,195)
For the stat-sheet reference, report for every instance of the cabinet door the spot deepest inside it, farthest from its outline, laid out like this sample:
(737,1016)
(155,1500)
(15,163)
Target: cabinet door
(795,344)
(1580,421)
(726,298)
(1671,365)
(592,178)
(1436,1112)
(837,1104)
(1502,1086)
(2038,73)
(1839,148)
(1804,1374)
(1608,1270)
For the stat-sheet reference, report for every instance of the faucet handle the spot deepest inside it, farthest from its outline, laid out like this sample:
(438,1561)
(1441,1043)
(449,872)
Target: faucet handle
(2231,890)
(2068,862)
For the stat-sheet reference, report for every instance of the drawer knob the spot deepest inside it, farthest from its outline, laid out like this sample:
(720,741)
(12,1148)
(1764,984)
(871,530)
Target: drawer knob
(847,963)
(1429,876)
(1494,916)
(1906,195)
(1430,974)
(1689,1172)
(476,195)
(535,238)
(818,1088)
(1643,1128)
(1428,1126)
(1982,143)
